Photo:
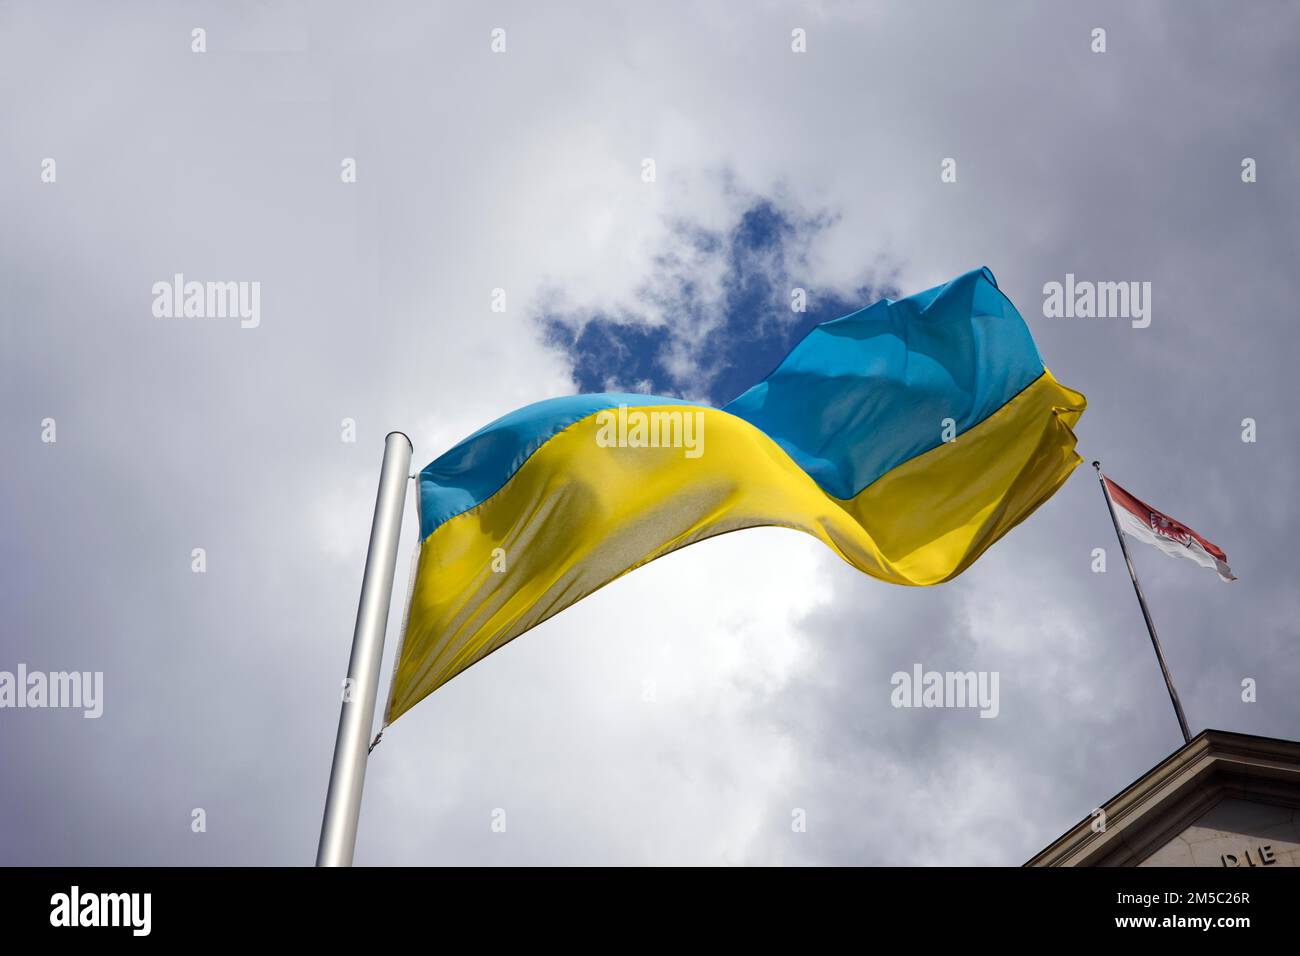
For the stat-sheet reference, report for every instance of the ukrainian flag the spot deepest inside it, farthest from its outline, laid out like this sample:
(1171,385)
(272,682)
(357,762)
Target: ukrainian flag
(908,437)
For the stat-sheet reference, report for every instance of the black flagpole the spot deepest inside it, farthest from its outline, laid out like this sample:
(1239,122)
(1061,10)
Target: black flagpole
(1151,628)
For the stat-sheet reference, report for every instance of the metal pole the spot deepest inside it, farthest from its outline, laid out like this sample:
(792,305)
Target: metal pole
(338,832)
(1146,614)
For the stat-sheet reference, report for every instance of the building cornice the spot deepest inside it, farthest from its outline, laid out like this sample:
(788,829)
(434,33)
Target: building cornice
(1151,811)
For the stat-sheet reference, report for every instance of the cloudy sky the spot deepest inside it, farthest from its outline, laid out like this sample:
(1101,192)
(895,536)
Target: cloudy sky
(766,661)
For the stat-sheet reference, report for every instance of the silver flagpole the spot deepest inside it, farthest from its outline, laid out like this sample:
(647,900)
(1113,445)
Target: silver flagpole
(338,832)
(1151,627)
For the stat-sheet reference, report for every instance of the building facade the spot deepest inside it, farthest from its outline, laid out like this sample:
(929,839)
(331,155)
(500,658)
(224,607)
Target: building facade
(1224,799)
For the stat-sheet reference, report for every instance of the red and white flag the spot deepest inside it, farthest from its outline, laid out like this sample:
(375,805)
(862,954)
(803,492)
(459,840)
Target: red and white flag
(1139,520)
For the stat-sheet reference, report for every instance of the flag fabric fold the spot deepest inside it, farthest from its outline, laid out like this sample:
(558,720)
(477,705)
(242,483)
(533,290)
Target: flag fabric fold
(1140,521)
(908,437)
